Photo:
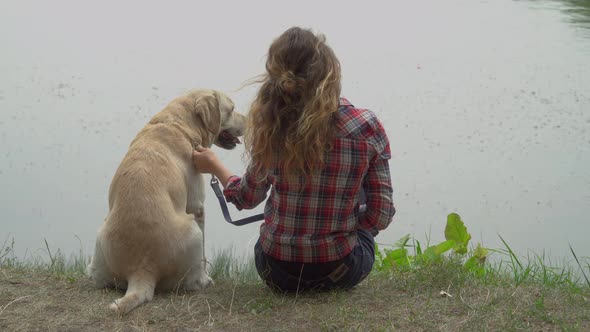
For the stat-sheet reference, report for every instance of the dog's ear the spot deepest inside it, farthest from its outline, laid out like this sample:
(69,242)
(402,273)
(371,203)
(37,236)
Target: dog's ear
(207,109)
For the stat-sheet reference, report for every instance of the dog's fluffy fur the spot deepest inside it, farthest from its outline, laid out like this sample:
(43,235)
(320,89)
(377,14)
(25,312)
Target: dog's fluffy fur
(153,235)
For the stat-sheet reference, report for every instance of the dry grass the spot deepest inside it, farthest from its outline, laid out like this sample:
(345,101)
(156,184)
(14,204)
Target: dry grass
(34,299)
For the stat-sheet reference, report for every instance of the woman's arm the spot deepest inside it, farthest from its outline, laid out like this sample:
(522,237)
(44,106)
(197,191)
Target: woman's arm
(205,161)
(377,183)
(244,192)
(379,193)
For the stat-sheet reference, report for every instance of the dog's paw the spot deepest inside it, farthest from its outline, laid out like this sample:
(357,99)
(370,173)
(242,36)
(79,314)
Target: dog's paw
(116,306)
(205,281)
(89,271)
(198,283)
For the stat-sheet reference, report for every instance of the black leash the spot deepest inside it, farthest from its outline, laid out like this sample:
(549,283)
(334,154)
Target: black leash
(258,217)
(219,194)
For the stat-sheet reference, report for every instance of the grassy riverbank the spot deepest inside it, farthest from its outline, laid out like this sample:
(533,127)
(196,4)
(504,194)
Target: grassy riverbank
(60,297)
(444,287)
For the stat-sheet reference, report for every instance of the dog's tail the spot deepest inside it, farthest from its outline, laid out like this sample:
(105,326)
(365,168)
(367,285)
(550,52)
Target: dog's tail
(140,289)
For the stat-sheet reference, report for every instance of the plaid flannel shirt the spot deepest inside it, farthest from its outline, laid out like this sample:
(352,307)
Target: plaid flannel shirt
(315,221)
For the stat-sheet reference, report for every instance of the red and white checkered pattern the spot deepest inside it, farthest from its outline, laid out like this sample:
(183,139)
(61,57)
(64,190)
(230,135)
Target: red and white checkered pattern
(314,220)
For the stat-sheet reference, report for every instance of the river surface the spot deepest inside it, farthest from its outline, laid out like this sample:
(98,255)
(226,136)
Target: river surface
(486,104)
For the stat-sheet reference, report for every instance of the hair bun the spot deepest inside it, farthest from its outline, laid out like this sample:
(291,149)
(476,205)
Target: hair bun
(288,83)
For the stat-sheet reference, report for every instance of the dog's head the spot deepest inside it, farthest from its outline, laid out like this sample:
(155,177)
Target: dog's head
(216,111)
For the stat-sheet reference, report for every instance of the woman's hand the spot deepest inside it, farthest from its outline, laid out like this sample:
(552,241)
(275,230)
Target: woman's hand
(205,161)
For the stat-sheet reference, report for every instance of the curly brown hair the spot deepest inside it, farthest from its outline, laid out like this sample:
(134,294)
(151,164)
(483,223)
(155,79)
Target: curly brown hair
(290,121)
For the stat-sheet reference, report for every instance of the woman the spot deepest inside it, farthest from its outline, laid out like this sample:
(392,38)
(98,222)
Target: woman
(318,155)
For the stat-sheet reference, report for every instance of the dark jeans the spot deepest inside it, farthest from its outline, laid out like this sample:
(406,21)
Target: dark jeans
(342,274)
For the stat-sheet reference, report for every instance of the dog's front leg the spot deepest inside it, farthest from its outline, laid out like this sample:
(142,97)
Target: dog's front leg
(200,219)
(198,277)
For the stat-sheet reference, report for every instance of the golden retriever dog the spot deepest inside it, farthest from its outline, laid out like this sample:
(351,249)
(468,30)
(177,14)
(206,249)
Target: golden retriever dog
(153,235)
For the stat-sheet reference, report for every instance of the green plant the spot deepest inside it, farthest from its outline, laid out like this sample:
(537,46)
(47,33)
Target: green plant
(456,239)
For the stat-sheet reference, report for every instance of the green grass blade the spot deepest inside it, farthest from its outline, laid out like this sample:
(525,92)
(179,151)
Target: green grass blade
(580,265)
(520,273)
(512,255)
(418,248)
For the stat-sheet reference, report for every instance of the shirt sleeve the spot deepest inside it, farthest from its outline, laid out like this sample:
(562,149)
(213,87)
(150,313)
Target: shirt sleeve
(377,184)
(246,192)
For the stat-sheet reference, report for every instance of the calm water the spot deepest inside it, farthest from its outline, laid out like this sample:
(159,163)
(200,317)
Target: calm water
(486,103)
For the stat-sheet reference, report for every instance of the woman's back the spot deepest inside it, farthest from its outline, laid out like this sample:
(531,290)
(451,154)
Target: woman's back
(313,153)
(314,218)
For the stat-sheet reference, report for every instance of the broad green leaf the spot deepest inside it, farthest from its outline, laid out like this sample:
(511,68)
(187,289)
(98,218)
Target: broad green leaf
(456,231)
(475,263)
(444,246)
(474,266)
(460,249)
(480,253)
(434,252)
(398,257)
(430,254)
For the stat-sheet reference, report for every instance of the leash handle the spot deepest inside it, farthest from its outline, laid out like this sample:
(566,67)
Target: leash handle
(215,185)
